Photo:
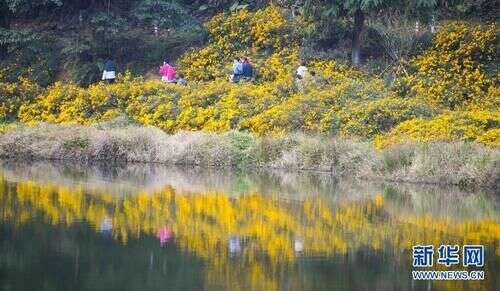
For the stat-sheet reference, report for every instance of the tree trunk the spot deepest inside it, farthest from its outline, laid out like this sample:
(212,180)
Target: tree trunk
(4,24)
(4,14)
(359,23)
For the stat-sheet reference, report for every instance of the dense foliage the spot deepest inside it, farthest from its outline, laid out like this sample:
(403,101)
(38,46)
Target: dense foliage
(460,69)
(69,40)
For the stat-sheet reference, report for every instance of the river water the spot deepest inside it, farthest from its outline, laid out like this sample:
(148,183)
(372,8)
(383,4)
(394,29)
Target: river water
(66,226)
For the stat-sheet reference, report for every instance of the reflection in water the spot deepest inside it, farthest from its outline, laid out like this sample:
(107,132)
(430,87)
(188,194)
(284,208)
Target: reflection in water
(298,245)
(261,231)
(234,245)
(164,235)
(106,225)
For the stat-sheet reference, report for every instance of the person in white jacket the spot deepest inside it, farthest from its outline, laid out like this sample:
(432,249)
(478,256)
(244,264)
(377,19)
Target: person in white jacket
(301,75)
(109,73)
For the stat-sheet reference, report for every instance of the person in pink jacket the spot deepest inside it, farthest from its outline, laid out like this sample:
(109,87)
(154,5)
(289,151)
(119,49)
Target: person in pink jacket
(167,72)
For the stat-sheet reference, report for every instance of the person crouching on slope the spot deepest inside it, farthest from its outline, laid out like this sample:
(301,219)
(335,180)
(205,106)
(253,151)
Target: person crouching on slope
(181,81)
(167,72)
(247,70)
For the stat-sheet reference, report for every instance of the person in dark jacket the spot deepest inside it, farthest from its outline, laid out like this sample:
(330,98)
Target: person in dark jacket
(181,81)
(109,73)
(247,69)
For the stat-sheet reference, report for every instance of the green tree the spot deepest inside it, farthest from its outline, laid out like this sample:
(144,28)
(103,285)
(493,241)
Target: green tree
(9,8)
(21,6)
(359,10)
(484,10)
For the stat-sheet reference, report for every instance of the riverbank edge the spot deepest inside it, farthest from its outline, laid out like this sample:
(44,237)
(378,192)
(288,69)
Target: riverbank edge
(442,163)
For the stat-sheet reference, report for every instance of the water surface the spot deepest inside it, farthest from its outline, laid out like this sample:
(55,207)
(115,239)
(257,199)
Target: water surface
(149,227)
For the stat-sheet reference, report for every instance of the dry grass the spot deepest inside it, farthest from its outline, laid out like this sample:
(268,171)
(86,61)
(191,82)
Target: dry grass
(459,163)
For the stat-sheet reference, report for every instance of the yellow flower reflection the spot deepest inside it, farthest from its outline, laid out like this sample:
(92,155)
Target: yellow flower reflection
(204,223)
(262,231)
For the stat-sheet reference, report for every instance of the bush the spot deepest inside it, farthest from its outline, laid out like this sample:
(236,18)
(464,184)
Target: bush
(478,126)
(452,74)
(367,119)
(14,95)
(30,55)
(255,34)
(219,106)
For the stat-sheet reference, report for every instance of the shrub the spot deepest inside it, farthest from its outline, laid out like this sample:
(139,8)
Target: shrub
(478,126)
(453,73)
(66,103)
(367,119)
(14,95)
(241,32)
(219,106)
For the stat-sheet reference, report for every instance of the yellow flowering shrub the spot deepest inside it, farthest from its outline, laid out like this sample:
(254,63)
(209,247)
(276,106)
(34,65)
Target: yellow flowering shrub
(218,106)
(66,103)
(491,137)
(367,119)
(231,31)
(477,126)
(336,99)
(317,108)
(270,29)
(453,73)
(333,71)
(279,66)
(13,95)
(243,33)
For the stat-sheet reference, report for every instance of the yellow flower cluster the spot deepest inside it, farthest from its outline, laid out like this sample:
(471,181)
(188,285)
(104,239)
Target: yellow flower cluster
(479,126)
(347,105)
(13,95)
(453,73)
(242,33)
(268,108)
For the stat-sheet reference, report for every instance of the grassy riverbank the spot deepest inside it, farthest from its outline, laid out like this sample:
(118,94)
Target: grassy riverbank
(458,163)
